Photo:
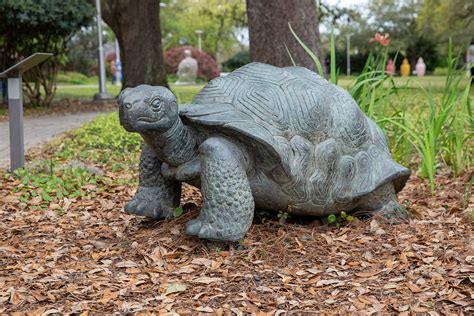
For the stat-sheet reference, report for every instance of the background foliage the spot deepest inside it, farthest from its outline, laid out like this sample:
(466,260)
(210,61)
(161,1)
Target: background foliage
(416,28)
(220,20)
(29,26)
(238,60)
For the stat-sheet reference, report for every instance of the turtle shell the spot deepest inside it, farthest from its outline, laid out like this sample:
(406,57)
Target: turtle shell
(323,149)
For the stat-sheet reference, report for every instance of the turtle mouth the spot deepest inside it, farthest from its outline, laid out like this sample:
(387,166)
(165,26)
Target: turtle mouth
(146,124)
(146,120)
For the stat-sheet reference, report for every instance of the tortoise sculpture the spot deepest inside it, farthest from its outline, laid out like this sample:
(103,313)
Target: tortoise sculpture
(274,138)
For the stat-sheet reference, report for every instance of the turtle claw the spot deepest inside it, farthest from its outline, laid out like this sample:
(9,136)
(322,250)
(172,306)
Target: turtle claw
(193,227)
(205,230)
(393,212)
(146,202)
(210,232)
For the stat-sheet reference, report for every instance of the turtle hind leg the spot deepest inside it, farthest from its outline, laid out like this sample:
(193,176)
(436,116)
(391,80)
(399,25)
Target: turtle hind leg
(383,202)
(156,196)
(228,204)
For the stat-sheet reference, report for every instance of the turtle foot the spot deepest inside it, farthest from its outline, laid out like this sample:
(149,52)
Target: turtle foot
(215,231)
(383,202)
(393,212)
(147,202)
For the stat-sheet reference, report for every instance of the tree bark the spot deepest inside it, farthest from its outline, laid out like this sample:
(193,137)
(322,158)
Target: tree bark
(269,32)
(136,25)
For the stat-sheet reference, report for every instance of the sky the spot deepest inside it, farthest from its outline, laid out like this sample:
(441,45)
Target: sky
(355,4)
(345,3)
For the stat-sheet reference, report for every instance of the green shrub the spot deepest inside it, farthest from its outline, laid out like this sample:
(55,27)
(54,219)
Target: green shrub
(29,26)
(238,60)
(101,140)
(75,78)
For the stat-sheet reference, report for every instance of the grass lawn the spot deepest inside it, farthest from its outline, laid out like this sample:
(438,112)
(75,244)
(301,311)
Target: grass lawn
(83,91)
(412,82)
(407,85)
(184,93)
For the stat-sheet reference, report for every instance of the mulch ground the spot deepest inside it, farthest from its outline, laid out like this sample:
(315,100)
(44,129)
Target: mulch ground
(97,259)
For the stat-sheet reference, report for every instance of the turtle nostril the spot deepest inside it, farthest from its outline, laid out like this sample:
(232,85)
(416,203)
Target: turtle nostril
(128,106)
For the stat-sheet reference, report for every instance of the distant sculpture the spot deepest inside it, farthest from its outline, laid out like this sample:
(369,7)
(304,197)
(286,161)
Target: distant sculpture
(420,67)
(470,60)
(405,68)
(187,69)
(282,139)
(390,68)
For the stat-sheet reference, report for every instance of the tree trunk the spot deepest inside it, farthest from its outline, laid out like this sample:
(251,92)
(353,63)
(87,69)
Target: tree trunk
(269,32)
(137,27)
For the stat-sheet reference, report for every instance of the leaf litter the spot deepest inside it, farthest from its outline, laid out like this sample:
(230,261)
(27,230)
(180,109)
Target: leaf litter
(94,258)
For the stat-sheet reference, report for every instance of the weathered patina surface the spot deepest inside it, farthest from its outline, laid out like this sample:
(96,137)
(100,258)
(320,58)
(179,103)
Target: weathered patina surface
(281,139)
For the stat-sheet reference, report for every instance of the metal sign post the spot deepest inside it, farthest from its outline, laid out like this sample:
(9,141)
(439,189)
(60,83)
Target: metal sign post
(15,106)
(102,95)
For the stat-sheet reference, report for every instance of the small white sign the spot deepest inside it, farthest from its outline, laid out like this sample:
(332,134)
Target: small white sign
(14,88)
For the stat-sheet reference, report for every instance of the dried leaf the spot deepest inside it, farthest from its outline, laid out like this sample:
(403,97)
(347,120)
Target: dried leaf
(206,280)
(368,274)
(10,199)
(126,264)
(204,309)
(414,288)
(175,287)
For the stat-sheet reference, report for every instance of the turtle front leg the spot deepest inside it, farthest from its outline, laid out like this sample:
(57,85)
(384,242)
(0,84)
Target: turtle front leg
(156,196)
(228,204)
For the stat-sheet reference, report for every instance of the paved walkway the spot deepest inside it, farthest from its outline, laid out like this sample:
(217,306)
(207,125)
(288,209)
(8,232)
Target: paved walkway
(41,130)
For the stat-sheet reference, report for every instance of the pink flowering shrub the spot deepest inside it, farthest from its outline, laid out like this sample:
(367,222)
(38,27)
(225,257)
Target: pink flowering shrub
(207,66)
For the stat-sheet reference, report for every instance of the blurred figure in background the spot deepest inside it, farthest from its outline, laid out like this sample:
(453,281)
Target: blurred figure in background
(113,71)
(3,91)
(470,59)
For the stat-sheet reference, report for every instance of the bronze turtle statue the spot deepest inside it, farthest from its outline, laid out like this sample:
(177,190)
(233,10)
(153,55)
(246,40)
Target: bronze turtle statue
(281,139)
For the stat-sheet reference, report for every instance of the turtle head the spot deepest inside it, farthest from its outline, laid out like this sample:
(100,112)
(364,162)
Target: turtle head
(147,109)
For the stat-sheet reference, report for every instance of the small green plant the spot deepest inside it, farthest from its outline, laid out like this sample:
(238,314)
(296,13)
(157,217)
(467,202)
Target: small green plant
(467,193)
(177,212)
(312,55)
(346,217)
(332,219)
(340,220)
(282,217)
(333,69)
(51,186)
(263,216)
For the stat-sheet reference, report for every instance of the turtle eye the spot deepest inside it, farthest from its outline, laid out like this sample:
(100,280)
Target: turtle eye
(156,104)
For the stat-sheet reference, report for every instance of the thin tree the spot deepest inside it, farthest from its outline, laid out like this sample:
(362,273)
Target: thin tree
(136,25)
(269,32)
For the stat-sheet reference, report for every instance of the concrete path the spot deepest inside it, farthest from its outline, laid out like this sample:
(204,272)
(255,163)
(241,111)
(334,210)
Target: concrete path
(41,130)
